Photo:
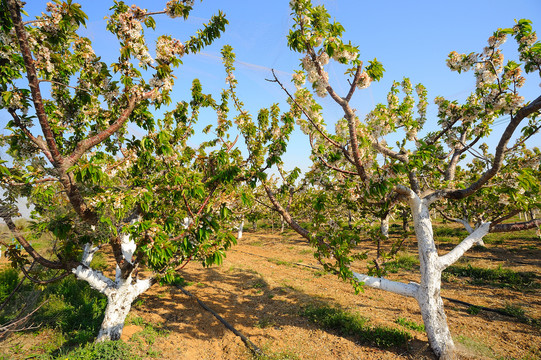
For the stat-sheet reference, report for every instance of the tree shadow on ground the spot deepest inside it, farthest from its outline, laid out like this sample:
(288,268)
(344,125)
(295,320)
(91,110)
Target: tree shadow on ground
(246,301)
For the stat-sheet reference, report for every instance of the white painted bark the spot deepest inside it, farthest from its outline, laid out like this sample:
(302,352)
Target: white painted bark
(385,226)
(428,296)
(409,290)
(120,293)
(241,227)
(469,229)
(119,300)
(128,247)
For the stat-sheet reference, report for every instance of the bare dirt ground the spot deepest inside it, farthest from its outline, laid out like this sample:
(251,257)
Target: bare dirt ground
(268,278)
(264,283)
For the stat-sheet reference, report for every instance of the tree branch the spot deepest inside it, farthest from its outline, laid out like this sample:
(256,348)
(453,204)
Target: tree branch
(453,255)
(501,150)
(395,287)
(33,81)
(517,226)
(88,143)
(38,141)
(4,214)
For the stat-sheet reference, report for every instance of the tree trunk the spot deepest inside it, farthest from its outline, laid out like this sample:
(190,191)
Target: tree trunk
(241,227)
(428,296)
(118,306)
(433,313)
(120,292)
(385,226)
(405,222)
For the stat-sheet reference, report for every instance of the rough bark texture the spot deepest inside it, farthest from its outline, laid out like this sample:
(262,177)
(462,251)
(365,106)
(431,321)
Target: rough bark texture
(428,296)
(385,226)
(241,228)
(120,293)
(119,302)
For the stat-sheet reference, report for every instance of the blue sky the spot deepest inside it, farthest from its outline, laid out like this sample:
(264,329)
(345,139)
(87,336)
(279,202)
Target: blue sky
(410,38)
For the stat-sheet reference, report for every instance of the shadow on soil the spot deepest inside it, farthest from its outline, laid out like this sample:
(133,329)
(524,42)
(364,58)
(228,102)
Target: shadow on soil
(254,306)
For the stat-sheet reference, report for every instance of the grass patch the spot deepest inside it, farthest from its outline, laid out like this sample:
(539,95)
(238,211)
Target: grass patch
(449,232)
(255,243)
(109,350)
(265,322)
(99,262)
(280,355)
(500,238)
(280,262)
(518,313)
(403,261)
(352,324)
(478,347)
(9,278)
(499,277)
(74,308)
(409,324)
(259,284)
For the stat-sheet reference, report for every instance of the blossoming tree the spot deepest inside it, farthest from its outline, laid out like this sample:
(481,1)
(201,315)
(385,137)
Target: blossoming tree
(355,164)
(154,202)
(501,199)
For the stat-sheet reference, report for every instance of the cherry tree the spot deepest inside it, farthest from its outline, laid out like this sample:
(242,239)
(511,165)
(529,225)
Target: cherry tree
(501,199)
(152,202)
(355,164)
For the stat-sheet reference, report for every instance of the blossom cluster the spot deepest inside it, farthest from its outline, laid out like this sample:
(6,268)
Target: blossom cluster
(298,79)
(171,5)
(318,77)
(364,81)
(130,31)
(167,48)
(43,61)
(345,56)
(525,40)
(50,23)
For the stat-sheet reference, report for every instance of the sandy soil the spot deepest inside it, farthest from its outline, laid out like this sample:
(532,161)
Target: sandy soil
(264,283)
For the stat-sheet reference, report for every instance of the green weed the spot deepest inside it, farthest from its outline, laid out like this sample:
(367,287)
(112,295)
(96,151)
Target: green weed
(478,347)
(265,322)
(452,232)
(409,324)
(519,313)
(74,308)
(281,355)
(109,350)
(473,310)
(500,277)
(280,262)
(352,324)
(402,261)
(9,279)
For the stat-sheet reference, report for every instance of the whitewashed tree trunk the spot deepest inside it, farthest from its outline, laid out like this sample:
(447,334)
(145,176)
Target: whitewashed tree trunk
(469,229)
(427,293)
(385,226)
(428,296)
(120,293)
(241,227)
(119,300)
(431,267)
